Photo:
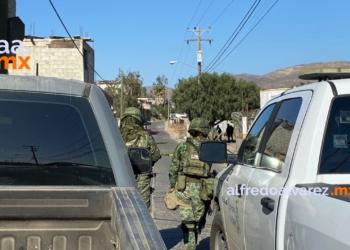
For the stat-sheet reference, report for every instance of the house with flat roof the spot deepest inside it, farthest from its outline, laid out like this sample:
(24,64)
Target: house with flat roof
(58,57)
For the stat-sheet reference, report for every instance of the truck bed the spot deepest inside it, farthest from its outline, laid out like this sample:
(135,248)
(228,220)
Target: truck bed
(83,218)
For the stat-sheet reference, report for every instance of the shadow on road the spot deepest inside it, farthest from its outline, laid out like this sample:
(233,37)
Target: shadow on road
(204,243)
(171,236)
(152,132)
(162,143)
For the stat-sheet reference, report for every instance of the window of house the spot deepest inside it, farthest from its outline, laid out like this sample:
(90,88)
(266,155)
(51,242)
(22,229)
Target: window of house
(280,134)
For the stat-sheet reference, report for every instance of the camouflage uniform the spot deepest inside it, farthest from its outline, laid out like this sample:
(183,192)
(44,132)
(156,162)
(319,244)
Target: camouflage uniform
(193,218)
(134,136)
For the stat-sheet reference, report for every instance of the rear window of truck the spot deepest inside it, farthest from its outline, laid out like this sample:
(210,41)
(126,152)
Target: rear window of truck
(335,155)
(48,139)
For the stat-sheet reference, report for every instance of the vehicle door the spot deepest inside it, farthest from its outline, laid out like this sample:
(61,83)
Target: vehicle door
(271,170)
(233,201)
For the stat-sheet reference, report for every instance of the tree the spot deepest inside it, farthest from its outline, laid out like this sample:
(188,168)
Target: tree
(131,91)
(216,98)
(159,88)
(249,94)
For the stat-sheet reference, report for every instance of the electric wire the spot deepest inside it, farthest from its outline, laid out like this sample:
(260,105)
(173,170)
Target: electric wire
(217,18)
(234,35)
(247,33)
(221,13)
(64,26)
(204,13)
(172,77)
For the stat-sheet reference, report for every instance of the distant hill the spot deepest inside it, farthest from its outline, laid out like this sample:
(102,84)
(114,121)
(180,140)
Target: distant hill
(150,88)
(281,78)
(287,77)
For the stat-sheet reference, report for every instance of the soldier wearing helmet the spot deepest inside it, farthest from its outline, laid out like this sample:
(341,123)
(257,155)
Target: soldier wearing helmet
(134,136)
(186,176)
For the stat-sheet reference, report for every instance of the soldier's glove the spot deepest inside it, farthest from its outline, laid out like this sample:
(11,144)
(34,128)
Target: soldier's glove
(210,211)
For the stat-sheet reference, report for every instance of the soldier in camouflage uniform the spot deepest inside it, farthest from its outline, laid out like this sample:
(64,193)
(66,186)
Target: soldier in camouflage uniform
(134,136)
(185,165)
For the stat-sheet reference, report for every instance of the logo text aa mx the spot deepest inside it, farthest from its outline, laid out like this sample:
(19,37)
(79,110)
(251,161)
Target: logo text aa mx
(19,62)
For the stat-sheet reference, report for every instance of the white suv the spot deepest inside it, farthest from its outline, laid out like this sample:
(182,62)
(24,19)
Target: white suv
(183,115)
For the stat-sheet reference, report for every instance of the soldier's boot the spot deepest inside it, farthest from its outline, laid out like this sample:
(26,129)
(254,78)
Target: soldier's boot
(190,234)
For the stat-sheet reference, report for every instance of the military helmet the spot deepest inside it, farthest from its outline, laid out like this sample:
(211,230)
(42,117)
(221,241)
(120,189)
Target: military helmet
(200,125)
(133,112)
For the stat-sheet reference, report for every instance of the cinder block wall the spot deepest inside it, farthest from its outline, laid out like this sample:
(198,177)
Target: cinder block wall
(56,58)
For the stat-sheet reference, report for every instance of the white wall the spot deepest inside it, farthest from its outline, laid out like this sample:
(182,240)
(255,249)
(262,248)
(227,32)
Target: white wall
(268,94)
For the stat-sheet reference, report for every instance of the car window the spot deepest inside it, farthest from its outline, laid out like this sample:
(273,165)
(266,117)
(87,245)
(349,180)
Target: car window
(335,154)
(51,140)
(253,139)
(280,134)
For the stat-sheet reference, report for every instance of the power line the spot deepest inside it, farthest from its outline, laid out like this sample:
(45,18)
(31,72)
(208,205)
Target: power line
(64,26)
(188,49)
(199,32)
(221,13)
(192,33)
(184,39)
(194,13)
(204,13)
(234,35)
(247,33)
(226,8)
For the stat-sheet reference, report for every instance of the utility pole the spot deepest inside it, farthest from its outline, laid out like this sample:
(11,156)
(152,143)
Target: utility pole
(33,149)
(199,32)
(121,94)
(168,107)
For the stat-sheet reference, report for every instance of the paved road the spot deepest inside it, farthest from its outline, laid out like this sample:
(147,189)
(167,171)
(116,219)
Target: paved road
(167,221)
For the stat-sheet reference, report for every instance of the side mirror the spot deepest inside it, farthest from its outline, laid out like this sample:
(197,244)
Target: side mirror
(141,160)
(213,152)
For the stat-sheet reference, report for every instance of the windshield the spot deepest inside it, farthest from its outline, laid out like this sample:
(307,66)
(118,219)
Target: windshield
(50,131)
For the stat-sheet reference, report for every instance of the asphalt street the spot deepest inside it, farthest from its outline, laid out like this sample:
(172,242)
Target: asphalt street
(168,221)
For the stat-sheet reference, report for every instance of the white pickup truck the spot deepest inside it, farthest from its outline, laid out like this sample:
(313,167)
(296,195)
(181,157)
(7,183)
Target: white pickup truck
(289,185)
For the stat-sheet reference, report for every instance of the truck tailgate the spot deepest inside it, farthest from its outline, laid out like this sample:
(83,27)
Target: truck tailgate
(59,218)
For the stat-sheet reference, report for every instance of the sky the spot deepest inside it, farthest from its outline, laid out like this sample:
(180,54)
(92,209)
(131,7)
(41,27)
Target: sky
(144,36)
